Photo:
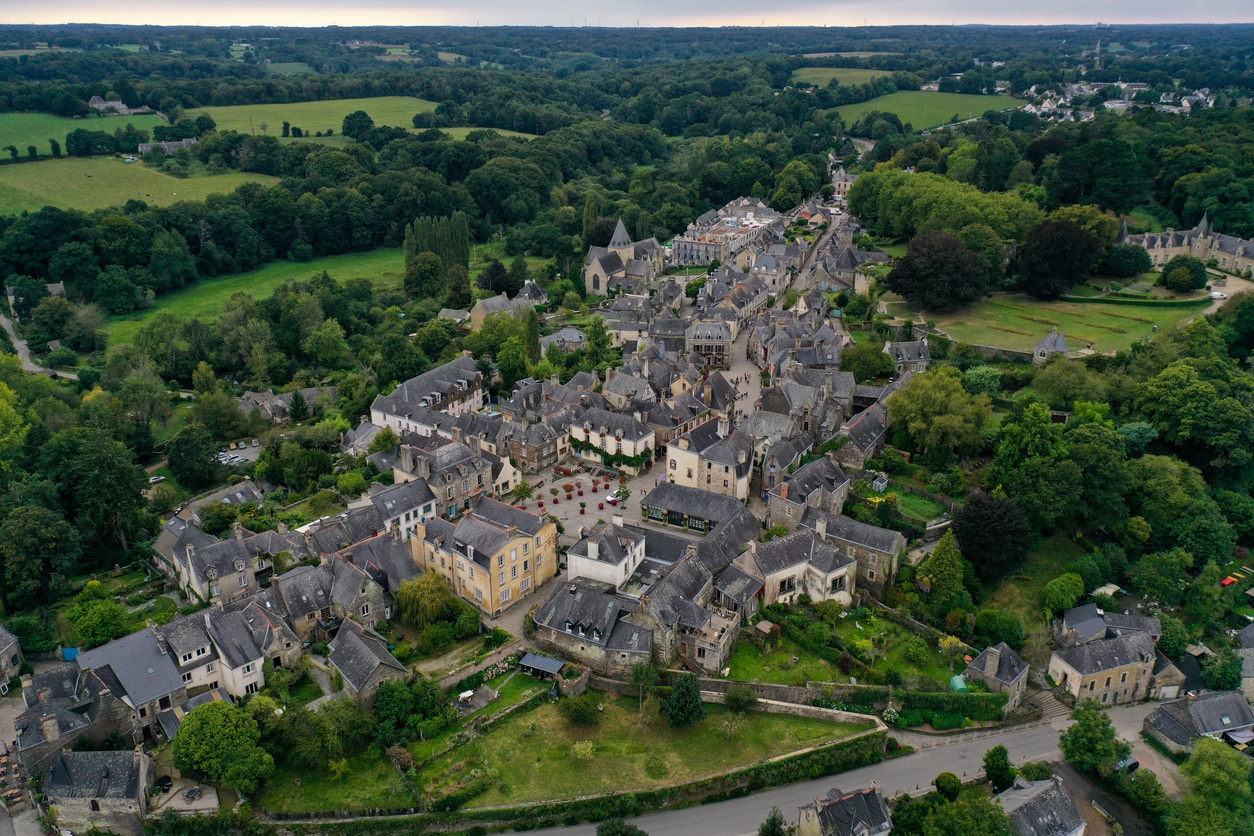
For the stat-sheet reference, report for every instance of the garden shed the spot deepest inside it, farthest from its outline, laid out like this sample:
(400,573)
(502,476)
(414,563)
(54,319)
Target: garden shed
(541,667)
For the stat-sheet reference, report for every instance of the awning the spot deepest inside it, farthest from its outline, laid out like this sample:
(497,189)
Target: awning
(544,664)
(1241,735)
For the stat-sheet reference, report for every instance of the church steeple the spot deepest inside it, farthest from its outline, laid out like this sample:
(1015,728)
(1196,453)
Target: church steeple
(1203,226)
(620,240)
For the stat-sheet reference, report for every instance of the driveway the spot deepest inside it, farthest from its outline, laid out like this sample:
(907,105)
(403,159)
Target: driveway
(23,352)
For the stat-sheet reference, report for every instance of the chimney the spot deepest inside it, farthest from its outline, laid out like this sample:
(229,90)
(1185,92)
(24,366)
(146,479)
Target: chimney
(50,726)
(753,548)
(395,531)
(783,491)
(691,551)
(820,527)
(152,625)
(281,527)
(594,549)
(573,589)
(27,681)
(992,661)
(237,530)
(618,520)
(723,426)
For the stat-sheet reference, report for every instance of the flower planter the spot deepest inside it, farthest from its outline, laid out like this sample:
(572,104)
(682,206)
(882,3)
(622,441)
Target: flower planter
(600,506)
(581,510)
(568,496)
(594,488)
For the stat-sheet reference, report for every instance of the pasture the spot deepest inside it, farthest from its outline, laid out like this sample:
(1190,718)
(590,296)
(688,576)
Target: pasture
(204,298)
(290,68)
(820,76)
(1019,322)
(23,129)
(66,184)
(923,109)
(315,116)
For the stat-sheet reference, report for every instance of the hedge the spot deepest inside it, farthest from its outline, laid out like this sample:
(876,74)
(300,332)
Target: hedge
(1125,300)
(830,653)
(972,706)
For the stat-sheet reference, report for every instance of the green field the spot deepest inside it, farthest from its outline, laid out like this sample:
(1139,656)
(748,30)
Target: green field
(290,68)
(1020,592)
(1019,322)
(23,129)
(338,140)
(819,76)
(927,110)
(316,116)
(204,298)
(532,753)
(65,183)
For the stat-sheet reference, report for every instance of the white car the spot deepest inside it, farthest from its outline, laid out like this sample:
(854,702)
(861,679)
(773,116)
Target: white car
(155,480)
(1217,296)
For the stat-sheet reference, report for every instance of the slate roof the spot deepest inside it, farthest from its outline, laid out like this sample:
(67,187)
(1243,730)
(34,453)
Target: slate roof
(141,669)
(816,475)
(1246,635)
(797,548)
(357,653)
(853,814)
(1009,667)
(734,450)
(176,535)
(1103,655)
(1088,623)
(501,304)
(1054,343)
(441,378)
(386,559)
(692,501)
(620,238)
(545,664)
(1040,808)
(852,531)
(613,543)
(737,585)
(611,423)
(396,500)
(868,427)
(94,775)
(7,639)
(581,606)
(1207,714)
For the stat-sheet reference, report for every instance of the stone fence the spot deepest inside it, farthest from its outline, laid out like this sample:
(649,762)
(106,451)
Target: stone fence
(812,712)
(797,694)
(510,648)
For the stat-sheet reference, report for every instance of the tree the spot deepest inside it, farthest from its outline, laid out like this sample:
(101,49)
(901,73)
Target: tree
(192,456)
(1000,626)
(866,362)
(1175,638)
(643,677)
(356,125)
(948,785)
(1062,593)
(384,441)
(425,599)
(774,824)
(939,273)
(1222,672)
(297,408)
(96,622)
(740,699)
(1123,261)
(969,817)
(951,647)
(1057,256)
(982,380)
(941,576)
(581,711)
(1090,743)
(424,275)
(937,412)
(34,543)
(459,295)
(618,827)
(1193,272)
(222,741)
(1064,381)
(1161,576)
(997,768)
(511,362)
(1220,800)
(171,262)
(326,344)
(1032,464)
(494,276)
(597,336)
(994,534)
(684,707)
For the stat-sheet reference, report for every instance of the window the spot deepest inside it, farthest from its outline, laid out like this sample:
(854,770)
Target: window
(1105,697)
(525,585)
(513,555)
(202,651)
(1123,677)
(450,493)
(787,585)
(251,688)
(209,667)
(537,542)
(513,572)
(526,548)
(187,677)
(365,609)
(674,465)
(465,485)
(875,560)
(472,573)
(838,584)
(479,595)
(700,652)
(501,582)
(724,483)
(143,712)
(504,595)
(870,574)
(163,703)
(214,589)
(1108,682)
(1093,685)
(500,561)
(526,565)
(95,806)
(186,657)
(248,668)
(656,513)
(481,480)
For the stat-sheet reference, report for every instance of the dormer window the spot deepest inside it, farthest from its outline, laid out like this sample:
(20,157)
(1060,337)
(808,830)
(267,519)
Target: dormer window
(570,628)
(239,565)
(211,574)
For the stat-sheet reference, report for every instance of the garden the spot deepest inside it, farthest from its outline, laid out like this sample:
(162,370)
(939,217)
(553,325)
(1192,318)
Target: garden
(540,755)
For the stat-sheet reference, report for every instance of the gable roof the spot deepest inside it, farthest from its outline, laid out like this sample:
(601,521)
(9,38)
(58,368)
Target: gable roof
(853,814)
(95,775)
(852,531)
(783,553)
(357,652)
(1009,665)
(141,669)
(1207,714)
(1105,654)
(1040,808)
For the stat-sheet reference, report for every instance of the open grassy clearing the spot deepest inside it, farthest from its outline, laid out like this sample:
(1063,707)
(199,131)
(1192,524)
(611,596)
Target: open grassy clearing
(316,116)
(846,54)
(749,663)
(533,752)
(338,140)
(290,68)
(1021,591)
(820,76)
(1019,322)
(890,638)
(66,183)
(924,109)
(23,129)
(371,781)
(204,298)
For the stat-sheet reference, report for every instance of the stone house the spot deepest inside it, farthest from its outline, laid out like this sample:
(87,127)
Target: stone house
(138,670)
(857,813)
(714,457)
(64,704)
(1231,254)
(10,658)
(687,508)
(1041,808)
(638,261)
(876,550)
(609,554)
(780,460)
(866,434)
(819,484)
(100,791)
(455,473)
(1223,715)
(599,431)
(361,657)
(799,564)
(712,338)
(457,387)
(501,304)
(911,356)
(403,505)
(539,446)
(1002,670)
(493,557)
(1110,671)
(1054,343)
(591,627)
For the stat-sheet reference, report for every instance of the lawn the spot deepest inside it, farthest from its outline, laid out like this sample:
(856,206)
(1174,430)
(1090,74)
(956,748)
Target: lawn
(912,505)
(891,638)
(65,183)
(397,111)
(23,129)
(1019,322)
(306,690)
(533,757)
(290,68)
(1021,591)
(924,109)
(372,781)
(749,663)
(820,76)
(204,298)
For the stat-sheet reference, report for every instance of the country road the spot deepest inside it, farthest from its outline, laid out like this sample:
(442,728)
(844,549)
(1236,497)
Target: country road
(23,352)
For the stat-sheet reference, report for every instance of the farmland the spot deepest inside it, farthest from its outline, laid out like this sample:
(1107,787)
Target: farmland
(1019,323)
(290,68)
(66,183)
(23,129)
(927,110)
(316,116)
(819,76)
(204,298)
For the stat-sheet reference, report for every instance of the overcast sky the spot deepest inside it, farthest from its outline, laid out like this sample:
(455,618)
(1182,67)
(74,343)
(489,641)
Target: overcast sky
(647,12)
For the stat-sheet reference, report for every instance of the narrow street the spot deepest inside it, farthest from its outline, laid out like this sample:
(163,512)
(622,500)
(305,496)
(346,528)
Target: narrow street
(23,352)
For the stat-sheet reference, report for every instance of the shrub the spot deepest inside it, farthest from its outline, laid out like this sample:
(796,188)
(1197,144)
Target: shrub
(740,699)
(948,785)
(581,711)
(1036,771)
(583,750)
(915,651)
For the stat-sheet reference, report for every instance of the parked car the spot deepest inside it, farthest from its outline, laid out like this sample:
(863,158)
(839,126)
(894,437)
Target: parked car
(155,480)
(256,443)
(1216,295)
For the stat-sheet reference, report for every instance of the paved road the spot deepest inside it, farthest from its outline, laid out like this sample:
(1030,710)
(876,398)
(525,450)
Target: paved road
(23,354)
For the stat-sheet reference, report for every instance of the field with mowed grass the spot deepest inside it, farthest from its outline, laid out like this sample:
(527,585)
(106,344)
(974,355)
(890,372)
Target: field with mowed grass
(820,76)
(98,182)
(1019,322)
(1020,592)
(23,129)
(204,298)
(534,758)
(923,109)
(397,111)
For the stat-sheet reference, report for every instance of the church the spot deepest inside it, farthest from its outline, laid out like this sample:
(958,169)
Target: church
(626,266)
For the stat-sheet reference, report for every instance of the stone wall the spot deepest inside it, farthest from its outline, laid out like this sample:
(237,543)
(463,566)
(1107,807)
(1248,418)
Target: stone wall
(812,712)
(797,694)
